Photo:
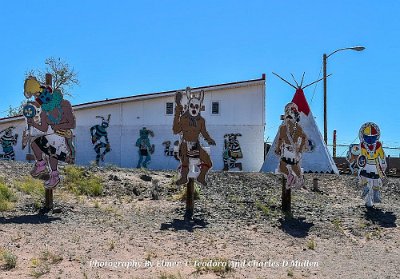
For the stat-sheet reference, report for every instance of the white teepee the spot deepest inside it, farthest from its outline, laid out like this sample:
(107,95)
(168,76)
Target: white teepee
(317,160)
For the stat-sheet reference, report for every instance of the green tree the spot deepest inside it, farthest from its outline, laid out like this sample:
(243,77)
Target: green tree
(64,78)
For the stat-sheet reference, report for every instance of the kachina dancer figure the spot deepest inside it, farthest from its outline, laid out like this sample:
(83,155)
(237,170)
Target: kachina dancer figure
(50,134)
(171,151)
(232,152)
(145,148)
(292,141)
(7,141)
(98,132)
(190,125)
(372,163)
(352,158)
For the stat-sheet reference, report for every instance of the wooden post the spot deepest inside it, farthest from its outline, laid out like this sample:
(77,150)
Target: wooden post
(388,164)
(315,185)
(324,57)
(189,199)
(49,192)
(286,196)
(334,143)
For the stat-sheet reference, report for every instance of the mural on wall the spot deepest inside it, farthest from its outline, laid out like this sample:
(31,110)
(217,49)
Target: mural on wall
(7,141)
(172,151)
(145,148)
(292,142)
(50,120)
(352,158)
(232,152)
(372,163)
(188,122)
(100,138)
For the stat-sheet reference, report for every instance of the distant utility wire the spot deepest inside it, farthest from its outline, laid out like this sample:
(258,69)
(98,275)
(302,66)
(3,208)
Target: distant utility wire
(315,87)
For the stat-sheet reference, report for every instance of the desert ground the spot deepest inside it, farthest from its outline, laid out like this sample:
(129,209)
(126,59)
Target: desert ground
(133,227)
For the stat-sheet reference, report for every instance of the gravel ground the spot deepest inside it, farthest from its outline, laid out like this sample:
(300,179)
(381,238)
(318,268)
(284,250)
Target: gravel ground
(238,229)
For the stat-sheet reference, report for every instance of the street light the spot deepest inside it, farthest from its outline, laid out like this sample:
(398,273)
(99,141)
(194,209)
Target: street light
(324,59)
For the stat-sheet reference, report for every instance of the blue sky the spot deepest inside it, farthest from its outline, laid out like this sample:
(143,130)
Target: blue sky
(122,48)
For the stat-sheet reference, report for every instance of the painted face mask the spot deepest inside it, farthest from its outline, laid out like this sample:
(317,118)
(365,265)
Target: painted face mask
(105,124)
(369,133)
(194,107)
(45,96)
(292,113)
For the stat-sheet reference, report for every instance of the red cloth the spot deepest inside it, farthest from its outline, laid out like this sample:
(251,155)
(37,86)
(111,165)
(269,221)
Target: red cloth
(300,100)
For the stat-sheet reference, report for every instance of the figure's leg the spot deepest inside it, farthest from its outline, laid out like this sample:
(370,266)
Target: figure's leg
(299,181)
(139,164)
(206,164)
(97,149)
(377,193)
(184,164)
(40,165)
(370,195)
(239,166)
(226,164)
(147,161)
(54,175)
(106,150)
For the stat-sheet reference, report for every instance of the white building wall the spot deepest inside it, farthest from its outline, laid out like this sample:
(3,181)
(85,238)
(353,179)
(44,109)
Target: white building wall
(241,111)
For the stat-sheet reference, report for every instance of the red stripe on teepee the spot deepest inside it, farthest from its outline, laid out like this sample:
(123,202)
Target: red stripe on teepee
(300,100)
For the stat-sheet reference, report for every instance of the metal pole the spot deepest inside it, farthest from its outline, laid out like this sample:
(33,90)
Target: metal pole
(324,58)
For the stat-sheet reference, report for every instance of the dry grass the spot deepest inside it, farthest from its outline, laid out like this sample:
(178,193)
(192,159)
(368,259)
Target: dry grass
(7,197)
(81,182)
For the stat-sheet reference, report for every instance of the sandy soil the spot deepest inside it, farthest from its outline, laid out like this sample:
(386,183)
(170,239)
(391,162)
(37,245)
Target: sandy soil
(238,225)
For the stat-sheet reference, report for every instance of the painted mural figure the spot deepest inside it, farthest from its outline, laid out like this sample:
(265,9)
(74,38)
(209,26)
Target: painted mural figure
(292,142)
(190,125)
(7,141)
(50,132)
(172,151)
(232,152)
(372,163)
(98,133)
(352,158)
(145,148)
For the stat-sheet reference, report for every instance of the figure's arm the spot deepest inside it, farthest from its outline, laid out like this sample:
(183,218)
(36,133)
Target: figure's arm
(177,127)
(42,126)
(138,142)
(382,159)
(304,139)
(204,132)
(280,141)
(68,120)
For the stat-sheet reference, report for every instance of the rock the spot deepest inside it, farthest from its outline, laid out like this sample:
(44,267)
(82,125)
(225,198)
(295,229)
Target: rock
(145,177)
(136,191)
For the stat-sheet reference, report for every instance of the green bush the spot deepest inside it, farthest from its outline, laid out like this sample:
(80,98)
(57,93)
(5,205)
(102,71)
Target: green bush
(33,187)
(9,259)
(81,182)
(7,197)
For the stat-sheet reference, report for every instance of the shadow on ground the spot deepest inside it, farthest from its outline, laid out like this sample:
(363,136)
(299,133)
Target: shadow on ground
(185,225)
(29,219)
(381,218)
(295,227)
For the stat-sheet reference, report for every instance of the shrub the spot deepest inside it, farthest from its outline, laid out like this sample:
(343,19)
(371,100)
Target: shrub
(81,182)
(7,197)
(32,187)
(9,259)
